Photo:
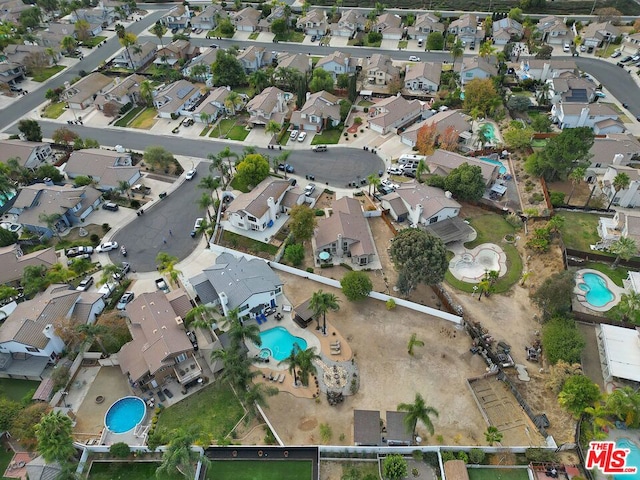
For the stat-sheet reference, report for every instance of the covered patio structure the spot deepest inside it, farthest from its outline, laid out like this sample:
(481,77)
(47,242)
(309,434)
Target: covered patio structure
(302,314)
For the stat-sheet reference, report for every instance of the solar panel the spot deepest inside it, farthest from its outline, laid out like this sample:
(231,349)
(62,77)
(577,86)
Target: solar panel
(183,92)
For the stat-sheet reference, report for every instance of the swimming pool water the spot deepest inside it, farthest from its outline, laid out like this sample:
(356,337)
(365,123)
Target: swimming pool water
(502,170)
(125,414)
(4,198)
(597,293)
(633,459)
(280,341)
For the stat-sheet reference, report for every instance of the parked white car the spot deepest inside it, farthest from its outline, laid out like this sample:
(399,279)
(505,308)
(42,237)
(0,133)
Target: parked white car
(302,136)
(106,247)
(390,184)
(395,171)
(294,134)
(413,58)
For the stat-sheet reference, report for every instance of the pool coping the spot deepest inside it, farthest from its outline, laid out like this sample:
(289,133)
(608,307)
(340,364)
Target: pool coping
(580,294)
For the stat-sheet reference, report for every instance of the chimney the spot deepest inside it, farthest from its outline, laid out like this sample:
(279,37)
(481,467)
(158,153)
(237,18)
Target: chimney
(272,208)
(48,331)
(280,102)
(618,158)
(179,321)
(417,214)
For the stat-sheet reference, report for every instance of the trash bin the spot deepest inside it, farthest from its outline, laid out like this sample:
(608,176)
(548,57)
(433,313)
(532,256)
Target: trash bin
(163,195)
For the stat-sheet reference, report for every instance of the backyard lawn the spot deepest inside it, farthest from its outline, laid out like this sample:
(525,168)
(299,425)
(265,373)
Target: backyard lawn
(259,470)
(127,471)
(327,137)
(54,110)
(213,411)
(16,390)
(45,74)
(247,244)
(498,474)
(492,228)
(145,120)
(124,121)
(579,230)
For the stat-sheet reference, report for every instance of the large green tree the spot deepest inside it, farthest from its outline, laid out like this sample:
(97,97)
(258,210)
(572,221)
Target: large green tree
(480,95)
(466,182)
(7,237)
(394,467)
(553,297)
(418,411)
(302,221)
(157,156)
(321,80)
(55,442)
(624,249)
(562,154)
(31,130)
(227,70)
(253,169)
(578,393)
(356,285)
(419,257)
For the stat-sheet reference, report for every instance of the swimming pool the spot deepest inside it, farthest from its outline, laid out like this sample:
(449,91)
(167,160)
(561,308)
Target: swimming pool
(491,131)
(596,291)
(4,198)
(502,170)
(280,342)
(633,459)
(125,414)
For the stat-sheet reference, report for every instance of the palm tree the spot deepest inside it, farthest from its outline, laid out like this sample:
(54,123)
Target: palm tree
(493,435)
(206,202)
(233,101)
(305,360)
(457,50)
(69,44)
(629,306)
(51,222)
(624,249)
(127,40)
(421,169)
(417,410)
(624,403)
(210,183)
(292,362)
(146,92)
(200,317)
(158,30)
(620,182)
(484,135)
(483,287)
(120,30)
(486,49)
(199,71)
(282,158)
(53,55)
(179,457)
(259,80)
(166,264)
(576,176)
(414,342)
(93,332)
(599,414)
(321,302)
(374,181)
(272,127)
(242,331)
(228,154)
(124,187)
(255,394)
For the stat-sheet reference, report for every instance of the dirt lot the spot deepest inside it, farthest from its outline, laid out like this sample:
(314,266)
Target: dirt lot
(580,194)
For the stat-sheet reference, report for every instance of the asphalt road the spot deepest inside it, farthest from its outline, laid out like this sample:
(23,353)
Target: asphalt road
(169,220)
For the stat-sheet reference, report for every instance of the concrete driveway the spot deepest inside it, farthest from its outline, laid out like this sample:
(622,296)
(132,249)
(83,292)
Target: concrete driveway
(165,227)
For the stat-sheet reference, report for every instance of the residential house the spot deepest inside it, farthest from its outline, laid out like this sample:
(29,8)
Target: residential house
(296,61)
(596,34)
(345,233)
(277,12)
(625,197)
(97,18)
(258,209)
(176,98)
(614,149)
(631,43)
(425,24)
(390,26)
(254,58)
(177,51)
(350,23)
(246,20)
(10,10)
(622,225)
(81,94)
(337,63)
(11,73)
(206,59)
(29,154)
(72,204)
(119,7)
(30,329)
(214,105)
(107,168)
(209,17)
(471,68)
(441,162)
(449,119)
(393,113)
(178,17)
(320,111)
(232,282)
(594,115)
(159,349)
(380,69)
(466,29)
(506,30)
(135,57)
(13,261)
(423,76)
(53,34)
(554,31)
(314,23)
(25,55)
(269,105)
(121,92)
(420,204)
(543,70)
(568,88)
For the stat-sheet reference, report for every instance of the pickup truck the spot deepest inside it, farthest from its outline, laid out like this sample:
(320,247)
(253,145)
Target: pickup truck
(162,285)
(141,189)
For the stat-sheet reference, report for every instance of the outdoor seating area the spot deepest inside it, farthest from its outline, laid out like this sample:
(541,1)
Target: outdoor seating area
(275,377)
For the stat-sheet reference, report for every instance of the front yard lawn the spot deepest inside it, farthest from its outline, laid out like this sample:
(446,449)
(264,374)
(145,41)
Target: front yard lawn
(228,128)
(124,121)
(291,36)
(127,471)
(46,73)
(254,36)
(93,42)
(247,244)
(327,137)
(257,469)
(238,185)
(16,390)
(213,411)
(217,33)
(54,110)
(403,44)
(579,230)
(145,120)
(238,133)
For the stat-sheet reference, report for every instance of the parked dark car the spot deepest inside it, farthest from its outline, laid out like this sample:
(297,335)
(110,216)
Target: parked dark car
(112,207)
(409,173)
(192,338)
(286,167)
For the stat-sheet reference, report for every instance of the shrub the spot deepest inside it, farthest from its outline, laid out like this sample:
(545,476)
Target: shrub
(463,456)
(106,227)
(357,121)
(135,204)
(310,269)
(174,116)
(366,109)
(95,238)
(294,254)
(562,340)
(557,199)
(319,212)
(356,286)
(125,108)
(391,304)
(476,455)
(120,450)
(446,456)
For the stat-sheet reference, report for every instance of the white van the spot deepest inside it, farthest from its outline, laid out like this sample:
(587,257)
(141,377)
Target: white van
(408,157)
(107,289)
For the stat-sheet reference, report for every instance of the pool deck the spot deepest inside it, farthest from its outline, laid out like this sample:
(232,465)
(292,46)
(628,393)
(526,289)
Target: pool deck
(478,270)
(581,300)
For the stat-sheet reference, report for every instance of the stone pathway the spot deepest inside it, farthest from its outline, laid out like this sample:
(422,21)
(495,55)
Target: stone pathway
(336,376)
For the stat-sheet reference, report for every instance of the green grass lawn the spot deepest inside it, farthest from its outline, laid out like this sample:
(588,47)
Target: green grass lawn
(403,44)
(5,458)
(127,471)
(238,132)
(365,103)
(247,90)
(145,120)
(227,128)
(16,390)
(579,230)
(539,143)
(240,242)
(93,41)
(616,274)
(124,121)
(46,73)
(498,474)
(213,411)
(492,228)
(291,36)
(254,36)
(54,110)
(217,33)
(259,470)
(327,137)
(205,130)
(237,184)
